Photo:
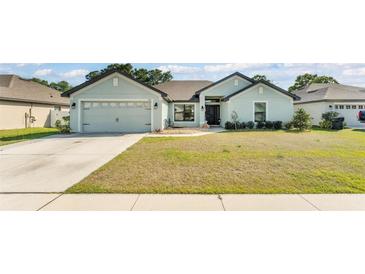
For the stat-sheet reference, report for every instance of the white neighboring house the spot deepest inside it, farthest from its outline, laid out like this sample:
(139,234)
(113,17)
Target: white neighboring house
(115,102)
(317,99)
(25,103)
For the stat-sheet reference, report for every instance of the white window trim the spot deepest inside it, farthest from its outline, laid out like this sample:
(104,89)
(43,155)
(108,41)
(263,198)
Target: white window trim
(81,101)
(173,112)
(266,110)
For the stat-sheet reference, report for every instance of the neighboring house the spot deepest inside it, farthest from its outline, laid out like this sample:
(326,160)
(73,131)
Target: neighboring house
(114,102)
(317,99)
(24,103)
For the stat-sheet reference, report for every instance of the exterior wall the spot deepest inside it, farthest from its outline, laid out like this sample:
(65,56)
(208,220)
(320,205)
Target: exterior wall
(184,124)
(165,114)
(279,106)
(317,108)
(314,109)
(222,89)
(12,114)
(104,90)
(58,115)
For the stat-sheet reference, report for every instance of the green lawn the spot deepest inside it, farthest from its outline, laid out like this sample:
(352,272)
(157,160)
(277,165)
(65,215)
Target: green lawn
(237,162)
(10,136)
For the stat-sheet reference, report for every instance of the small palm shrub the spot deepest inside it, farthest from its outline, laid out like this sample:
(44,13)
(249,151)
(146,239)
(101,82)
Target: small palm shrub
(250,125)
(63,127)
(278,125)
(269,125)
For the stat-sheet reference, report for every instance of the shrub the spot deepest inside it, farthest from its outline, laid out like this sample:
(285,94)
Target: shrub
(325,124)
(330,115)
(250,125)
(65,126)
(288,125)
(278,124)
(269,125)
(302,120)
(242,125)
(260,125)
(229,125)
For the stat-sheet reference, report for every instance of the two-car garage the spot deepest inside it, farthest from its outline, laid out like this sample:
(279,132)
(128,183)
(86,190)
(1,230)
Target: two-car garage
(116,116)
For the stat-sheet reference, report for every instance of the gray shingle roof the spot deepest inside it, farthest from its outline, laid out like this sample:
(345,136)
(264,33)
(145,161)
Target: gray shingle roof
(14,88)
(330,92)
(183,90)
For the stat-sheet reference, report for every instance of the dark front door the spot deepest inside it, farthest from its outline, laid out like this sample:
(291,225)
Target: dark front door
(212,114)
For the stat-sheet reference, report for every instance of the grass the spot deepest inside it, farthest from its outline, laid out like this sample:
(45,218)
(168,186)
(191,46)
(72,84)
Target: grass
(237,162)
(10,136)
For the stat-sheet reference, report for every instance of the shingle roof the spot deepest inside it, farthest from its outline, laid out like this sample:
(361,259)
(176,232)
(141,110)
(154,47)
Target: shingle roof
(330,92)
(183,90)
(14,88)
(101,76)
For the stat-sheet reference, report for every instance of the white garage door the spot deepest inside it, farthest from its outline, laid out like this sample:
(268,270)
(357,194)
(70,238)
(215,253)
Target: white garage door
(131,116)
(350,112)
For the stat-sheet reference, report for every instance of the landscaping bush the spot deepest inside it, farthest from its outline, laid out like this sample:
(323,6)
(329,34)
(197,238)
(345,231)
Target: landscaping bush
(325,124)
(65,126)
(250,125)
(330,115)
(302,120)
(229,125)
(260,125)
(278,124)
(242,125)
(288,125)
(327,119)
(269,125)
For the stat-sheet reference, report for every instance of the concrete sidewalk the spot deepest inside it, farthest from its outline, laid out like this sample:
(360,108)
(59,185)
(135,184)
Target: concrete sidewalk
(177,202)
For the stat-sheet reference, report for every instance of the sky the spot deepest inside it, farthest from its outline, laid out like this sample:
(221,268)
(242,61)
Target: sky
(282,74)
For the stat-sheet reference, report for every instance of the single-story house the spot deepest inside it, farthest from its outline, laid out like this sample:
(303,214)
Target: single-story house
(25,103)
(115,102)
(317,99)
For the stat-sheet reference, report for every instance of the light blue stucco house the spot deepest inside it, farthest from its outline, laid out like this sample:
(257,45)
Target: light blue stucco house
(114,102)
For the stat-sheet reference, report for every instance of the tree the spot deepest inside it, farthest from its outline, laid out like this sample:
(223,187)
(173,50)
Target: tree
(40,81)
(302,120)
(306,79)
(150,77)
(259,77)
(60,86)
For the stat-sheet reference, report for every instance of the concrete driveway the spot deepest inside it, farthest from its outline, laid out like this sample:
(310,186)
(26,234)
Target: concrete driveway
(55,163)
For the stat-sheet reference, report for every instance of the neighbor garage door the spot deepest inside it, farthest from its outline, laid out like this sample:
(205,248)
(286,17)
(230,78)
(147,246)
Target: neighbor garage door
(131,116)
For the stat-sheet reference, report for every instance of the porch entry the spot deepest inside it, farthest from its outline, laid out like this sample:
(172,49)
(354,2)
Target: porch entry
(212,114)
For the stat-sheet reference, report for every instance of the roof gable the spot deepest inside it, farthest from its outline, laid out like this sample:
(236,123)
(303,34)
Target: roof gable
(226,78)
(183,90)
(104,75)
(284,92)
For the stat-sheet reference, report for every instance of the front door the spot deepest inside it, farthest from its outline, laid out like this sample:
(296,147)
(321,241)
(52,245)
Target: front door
(212,114)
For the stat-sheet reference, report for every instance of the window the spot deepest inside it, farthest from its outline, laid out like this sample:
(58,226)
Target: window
(353,106)
(348,106)
(361,107)
(336,106)
(57,108)
(184,112)
(260,111)
(341,106)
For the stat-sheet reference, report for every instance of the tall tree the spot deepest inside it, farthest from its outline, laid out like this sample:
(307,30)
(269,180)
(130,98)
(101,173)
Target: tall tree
(306,79)
(150,77)
(60,86)
(259,77)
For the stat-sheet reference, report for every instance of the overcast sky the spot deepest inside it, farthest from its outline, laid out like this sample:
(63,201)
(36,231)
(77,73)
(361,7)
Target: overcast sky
(282,74)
